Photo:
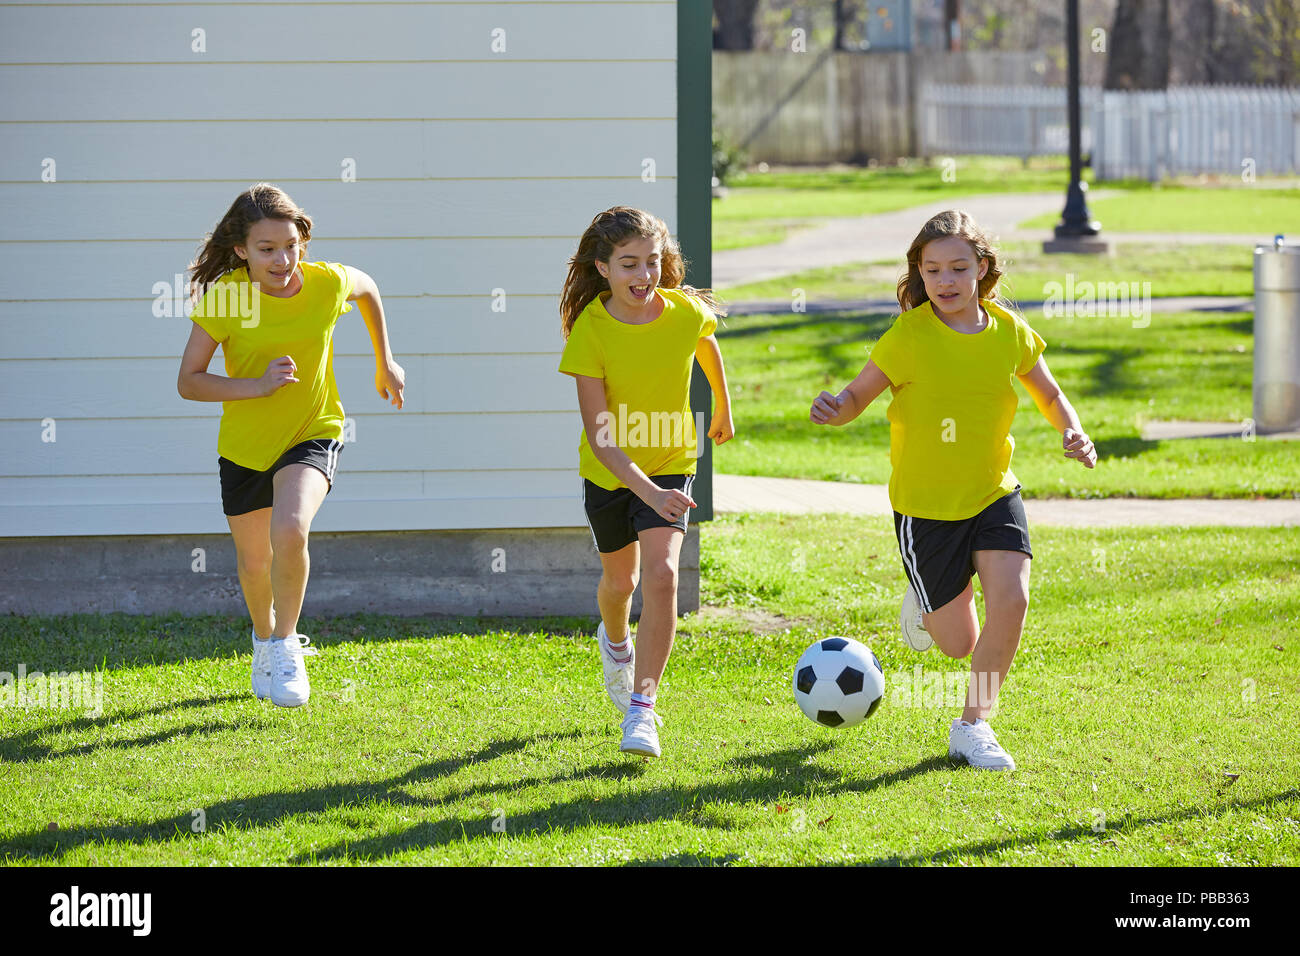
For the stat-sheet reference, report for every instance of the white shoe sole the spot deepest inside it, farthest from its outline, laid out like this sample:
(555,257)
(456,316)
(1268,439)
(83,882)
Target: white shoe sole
(961,758)
(639,747)
(917,640)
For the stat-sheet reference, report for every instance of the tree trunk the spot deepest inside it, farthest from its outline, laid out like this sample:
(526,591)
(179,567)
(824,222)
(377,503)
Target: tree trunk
(1157,49)
(1124,63)
(735,29)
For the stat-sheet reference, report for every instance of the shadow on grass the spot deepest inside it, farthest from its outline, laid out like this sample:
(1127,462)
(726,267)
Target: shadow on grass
(769,777)
(988,848)
(872,324)
(21,747)
(269,809)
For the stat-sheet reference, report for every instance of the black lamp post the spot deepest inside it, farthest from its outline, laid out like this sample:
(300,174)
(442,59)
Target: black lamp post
(1075,220)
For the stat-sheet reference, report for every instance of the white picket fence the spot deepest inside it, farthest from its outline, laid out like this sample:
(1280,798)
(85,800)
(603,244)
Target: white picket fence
(1183,130)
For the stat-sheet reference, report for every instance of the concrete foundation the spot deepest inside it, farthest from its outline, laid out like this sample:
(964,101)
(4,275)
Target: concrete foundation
(529,572)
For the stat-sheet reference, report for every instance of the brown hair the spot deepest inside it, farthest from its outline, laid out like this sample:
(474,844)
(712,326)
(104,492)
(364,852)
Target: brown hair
(217,254)
(607,231)
(951,222)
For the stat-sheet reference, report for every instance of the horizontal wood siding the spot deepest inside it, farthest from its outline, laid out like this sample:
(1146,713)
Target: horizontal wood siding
(475,172)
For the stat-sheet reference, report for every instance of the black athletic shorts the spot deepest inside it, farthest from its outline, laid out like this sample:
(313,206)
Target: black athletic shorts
(938,555)
(617,517)
(244,490)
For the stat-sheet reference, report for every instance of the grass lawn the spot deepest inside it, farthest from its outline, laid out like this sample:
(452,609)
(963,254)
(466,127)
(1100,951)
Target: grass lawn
(1172,271)
(1153,712)
(1250,210)
(1192,366)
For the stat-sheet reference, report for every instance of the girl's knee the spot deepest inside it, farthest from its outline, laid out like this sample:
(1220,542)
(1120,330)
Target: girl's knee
(958,647)
(1010,600)
(254,563)
(660,578)
(288,535)
(618,585)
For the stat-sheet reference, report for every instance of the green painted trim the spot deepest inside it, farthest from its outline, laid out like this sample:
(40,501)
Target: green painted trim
(695,195)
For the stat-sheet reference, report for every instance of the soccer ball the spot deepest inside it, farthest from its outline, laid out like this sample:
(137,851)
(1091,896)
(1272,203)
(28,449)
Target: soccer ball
(838,682)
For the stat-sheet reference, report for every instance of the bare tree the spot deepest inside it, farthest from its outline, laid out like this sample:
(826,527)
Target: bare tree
(1277,24)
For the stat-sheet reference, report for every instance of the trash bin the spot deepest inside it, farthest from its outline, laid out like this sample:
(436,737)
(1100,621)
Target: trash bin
(1277,337)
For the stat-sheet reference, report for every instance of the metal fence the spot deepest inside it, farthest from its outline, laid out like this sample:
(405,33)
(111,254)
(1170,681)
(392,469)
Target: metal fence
(997,120)
(1183,130)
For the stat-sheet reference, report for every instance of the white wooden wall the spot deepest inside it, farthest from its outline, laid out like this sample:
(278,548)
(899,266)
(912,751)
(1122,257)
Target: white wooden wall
(475,170)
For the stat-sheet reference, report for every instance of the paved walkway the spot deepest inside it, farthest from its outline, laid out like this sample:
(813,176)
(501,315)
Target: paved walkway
(884,237)
(732,493)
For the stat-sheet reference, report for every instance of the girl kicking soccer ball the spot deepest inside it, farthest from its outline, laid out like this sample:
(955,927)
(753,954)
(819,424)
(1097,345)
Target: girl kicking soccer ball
(273,315)
(949,361)
(632,330)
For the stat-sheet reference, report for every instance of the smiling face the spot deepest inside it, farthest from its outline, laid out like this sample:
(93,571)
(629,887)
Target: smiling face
(632,272)
(272,252)
(951,274)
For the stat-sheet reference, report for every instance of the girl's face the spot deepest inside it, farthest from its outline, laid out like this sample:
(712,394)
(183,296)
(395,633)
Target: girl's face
(633,273)
(272,252)
(951,274)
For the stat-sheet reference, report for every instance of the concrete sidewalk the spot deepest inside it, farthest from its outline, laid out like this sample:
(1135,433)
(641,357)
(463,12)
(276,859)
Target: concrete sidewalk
(737,493)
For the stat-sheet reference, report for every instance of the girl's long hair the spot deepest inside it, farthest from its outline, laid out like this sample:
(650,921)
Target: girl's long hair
(951,222)
(608,230)
(217,254)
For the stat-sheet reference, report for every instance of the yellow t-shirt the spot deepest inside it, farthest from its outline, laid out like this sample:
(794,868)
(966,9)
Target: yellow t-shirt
(647,373)
(254,328)
(950,441)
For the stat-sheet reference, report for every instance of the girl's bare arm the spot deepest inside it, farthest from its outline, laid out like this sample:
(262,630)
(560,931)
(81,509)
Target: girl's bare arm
(828,409)
(1056,408)
(196,383)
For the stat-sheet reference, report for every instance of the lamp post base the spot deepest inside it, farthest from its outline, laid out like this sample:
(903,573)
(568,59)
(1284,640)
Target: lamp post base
(1091,245)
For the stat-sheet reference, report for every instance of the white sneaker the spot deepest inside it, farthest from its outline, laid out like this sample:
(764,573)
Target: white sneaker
(289,684)
(909,619)
(261,668)
(976,744)
(618,677)
(640,735)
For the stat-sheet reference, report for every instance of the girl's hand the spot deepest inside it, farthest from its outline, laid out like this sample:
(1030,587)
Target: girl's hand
(277,375)
(671,504)
(721,429)
(827,409)
(1079,445)
(390,381)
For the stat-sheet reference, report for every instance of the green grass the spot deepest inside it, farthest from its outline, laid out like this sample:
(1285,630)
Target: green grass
(1188,366)
(1155,662)
(1176,271)
(741,235)
(1252,211)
